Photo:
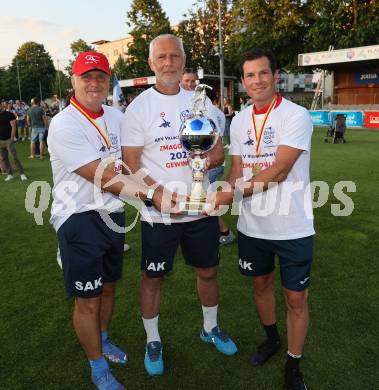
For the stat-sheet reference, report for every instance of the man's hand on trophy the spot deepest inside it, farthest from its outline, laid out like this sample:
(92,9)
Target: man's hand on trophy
(218,203)
(207,159)
(166,201)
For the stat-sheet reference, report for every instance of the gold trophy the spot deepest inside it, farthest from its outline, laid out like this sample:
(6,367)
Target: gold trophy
(198,135)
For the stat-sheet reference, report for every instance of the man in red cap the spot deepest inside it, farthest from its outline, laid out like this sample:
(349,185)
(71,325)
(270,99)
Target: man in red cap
(87,213)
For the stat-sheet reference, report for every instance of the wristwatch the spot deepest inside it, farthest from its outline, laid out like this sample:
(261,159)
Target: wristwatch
(149,197)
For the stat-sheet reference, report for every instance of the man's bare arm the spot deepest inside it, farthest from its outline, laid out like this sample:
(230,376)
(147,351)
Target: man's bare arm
(216,156)
(236,171)
(132,185)
(286,157)
(131,156)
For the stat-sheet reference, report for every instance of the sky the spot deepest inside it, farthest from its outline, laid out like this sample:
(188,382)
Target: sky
(56,24)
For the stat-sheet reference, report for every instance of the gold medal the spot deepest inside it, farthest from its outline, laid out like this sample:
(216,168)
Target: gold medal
(256,169)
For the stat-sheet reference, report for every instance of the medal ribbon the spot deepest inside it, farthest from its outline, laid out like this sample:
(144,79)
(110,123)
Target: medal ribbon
(258,134)
(98,128)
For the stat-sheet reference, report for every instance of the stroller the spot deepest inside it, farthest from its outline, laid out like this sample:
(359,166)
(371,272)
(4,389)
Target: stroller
(337,130)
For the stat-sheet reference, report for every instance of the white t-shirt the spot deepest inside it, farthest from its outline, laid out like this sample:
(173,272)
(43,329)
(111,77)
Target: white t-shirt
(153,121)
(74,142)
(220,120)
(276,214)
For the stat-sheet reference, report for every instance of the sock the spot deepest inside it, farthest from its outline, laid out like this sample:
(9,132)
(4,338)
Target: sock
(210,317)
(272,332)
(104,336)
(151,329)
(293,361)
(98,366)
(226,233)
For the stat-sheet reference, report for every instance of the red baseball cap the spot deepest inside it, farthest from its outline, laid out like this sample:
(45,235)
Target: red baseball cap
(90,60)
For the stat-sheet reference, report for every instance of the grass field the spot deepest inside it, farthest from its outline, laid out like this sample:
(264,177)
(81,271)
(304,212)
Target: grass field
(39,350)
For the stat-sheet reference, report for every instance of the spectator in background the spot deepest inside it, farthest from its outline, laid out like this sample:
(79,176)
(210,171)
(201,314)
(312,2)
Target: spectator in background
(20,111)
(10,108)
(37,120)
(49,117)
(7,136)
(189,79)
(216,102)
(243,103)
(226,235)
(55,106)
(188,82)
(229,114)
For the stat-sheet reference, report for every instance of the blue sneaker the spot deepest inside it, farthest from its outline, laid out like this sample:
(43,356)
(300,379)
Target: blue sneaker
(221,340)
(106,381)
(153,358)
(113,353)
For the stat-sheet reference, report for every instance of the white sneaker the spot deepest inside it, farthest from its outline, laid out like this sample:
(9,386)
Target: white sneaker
(23,177)
(225,240)
(8,178)
(126,247)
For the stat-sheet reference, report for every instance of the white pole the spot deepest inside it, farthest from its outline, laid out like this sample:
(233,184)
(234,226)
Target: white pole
(59,85)
(40,90)
(18,79)
(221,54)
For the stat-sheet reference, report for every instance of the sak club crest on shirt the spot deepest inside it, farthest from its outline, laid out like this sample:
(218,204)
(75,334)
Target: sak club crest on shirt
(268,135)
(114,140)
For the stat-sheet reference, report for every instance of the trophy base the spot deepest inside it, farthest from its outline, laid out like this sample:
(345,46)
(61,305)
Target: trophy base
(193,208)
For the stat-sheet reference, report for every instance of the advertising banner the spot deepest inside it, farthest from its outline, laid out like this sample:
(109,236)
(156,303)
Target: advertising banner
(367,77)
(371,119)
(353,118)
(320,118)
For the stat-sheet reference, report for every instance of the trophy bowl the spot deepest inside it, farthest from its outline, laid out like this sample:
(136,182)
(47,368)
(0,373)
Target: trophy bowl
(198,135)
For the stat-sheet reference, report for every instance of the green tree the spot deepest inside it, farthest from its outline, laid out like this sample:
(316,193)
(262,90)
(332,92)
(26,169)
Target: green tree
(61,84)
(342,24)
(3,88)
(121,69)
(280,26)
(78,46)
(147,20)
(200,34)
(36,71)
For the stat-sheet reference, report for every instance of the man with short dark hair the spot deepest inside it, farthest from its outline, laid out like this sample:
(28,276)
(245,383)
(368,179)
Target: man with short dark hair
(85,151)
(7,147)
(270,149)
(20,112)
(37,120)
(188,80)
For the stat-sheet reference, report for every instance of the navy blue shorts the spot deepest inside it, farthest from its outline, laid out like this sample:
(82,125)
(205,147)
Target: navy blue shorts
(257,258)
(199,241)
(91,252)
